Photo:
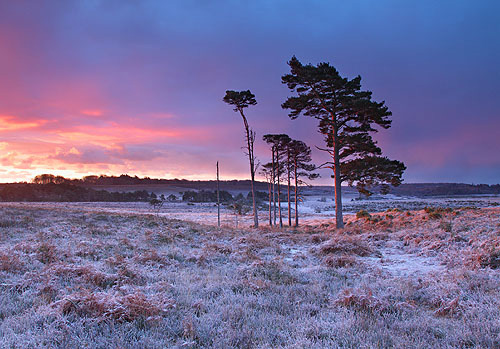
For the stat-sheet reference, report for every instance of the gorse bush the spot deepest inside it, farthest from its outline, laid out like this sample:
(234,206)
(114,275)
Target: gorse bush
(363,214)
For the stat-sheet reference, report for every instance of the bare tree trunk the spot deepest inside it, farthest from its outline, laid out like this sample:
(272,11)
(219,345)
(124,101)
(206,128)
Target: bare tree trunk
(218,197)
(270,206)
(274,191)
(255,213)
(279,191)
(296,195)
(288,188)
(250,139)
(338,182)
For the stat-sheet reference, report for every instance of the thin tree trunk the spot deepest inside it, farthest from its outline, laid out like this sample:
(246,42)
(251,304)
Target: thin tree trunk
(296,195)
(218,197)
(279,191)
(270,206)
(252,168)
(274,190)
(288,188)
(255,213)
(338,183)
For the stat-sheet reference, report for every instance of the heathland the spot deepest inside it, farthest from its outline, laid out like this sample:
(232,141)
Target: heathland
(108,275)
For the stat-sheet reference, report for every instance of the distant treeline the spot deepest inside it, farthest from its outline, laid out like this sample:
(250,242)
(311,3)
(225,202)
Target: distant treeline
(444,189)
(65,192)
(224,196)
(104,180)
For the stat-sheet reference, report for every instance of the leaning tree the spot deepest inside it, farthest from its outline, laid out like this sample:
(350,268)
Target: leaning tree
(241,100)
(347,118)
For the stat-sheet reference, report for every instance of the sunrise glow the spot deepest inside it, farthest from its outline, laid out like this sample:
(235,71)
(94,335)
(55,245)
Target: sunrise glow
(145,98)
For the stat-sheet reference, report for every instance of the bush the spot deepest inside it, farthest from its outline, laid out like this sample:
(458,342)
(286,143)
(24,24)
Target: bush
(116,307)
(341,261)
(46,253)
(363,214)
(347,246)
(435,215)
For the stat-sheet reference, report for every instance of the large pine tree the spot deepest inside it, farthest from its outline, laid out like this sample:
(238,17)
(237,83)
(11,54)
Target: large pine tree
(347,118)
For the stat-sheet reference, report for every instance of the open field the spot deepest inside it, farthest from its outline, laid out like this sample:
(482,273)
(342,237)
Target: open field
(316,207)
(117,276)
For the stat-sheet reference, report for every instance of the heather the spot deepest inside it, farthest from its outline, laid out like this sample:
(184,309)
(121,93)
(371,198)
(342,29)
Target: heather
(71,277)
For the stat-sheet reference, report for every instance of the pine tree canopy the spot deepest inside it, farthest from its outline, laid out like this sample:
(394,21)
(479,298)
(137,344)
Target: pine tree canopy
(347,118)
(240,99)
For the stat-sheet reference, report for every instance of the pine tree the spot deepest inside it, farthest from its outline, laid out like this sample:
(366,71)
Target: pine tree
(347,116)
(278,144)
(241,100)
(300,163)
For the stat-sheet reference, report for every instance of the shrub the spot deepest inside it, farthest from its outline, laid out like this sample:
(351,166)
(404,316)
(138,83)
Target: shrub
(10,262)
(363,214)
(347,246)
(341,261)
(435,215)
(437,212)
(361,299)
(122,308)
(46,253)
(448,308)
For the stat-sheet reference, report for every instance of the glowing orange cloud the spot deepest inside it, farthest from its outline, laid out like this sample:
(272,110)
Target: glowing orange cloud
(108,137)
(10,123)
(74,147)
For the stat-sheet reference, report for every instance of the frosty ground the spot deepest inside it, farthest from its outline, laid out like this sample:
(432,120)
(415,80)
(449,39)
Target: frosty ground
(122,276)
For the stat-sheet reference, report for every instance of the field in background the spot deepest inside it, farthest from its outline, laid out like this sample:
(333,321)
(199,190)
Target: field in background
(316,208)
(106,275)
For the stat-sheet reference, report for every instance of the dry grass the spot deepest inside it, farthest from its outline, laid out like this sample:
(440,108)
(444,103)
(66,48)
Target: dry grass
(121,308)
(342,244)
(72,279)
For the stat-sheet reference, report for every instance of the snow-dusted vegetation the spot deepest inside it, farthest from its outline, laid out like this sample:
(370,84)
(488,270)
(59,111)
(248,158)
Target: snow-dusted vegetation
(73,277)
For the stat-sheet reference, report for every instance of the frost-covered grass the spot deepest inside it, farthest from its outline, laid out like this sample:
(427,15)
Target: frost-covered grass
(73,278)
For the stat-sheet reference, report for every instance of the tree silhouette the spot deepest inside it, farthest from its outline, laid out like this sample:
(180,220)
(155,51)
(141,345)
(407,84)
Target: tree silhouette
(347,117)
(300,163)
(278,144)
(267,172)
(241,100)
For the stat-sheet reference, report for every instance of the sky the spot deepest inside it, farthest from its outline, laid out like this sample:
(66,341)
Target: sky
(113,87)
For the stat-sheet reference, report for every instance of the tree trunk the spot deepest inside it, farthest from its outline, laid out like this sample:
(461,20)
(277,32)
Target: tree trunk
(218,197)
(255,213)
(288,188)
(274,191)
(252,168)
(296,195)
(270,206)
(338,183)
(279,191)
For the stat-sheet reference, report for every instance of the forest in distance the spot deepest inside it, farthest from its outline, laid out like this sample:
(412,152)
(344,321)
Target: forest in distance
(48,187)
